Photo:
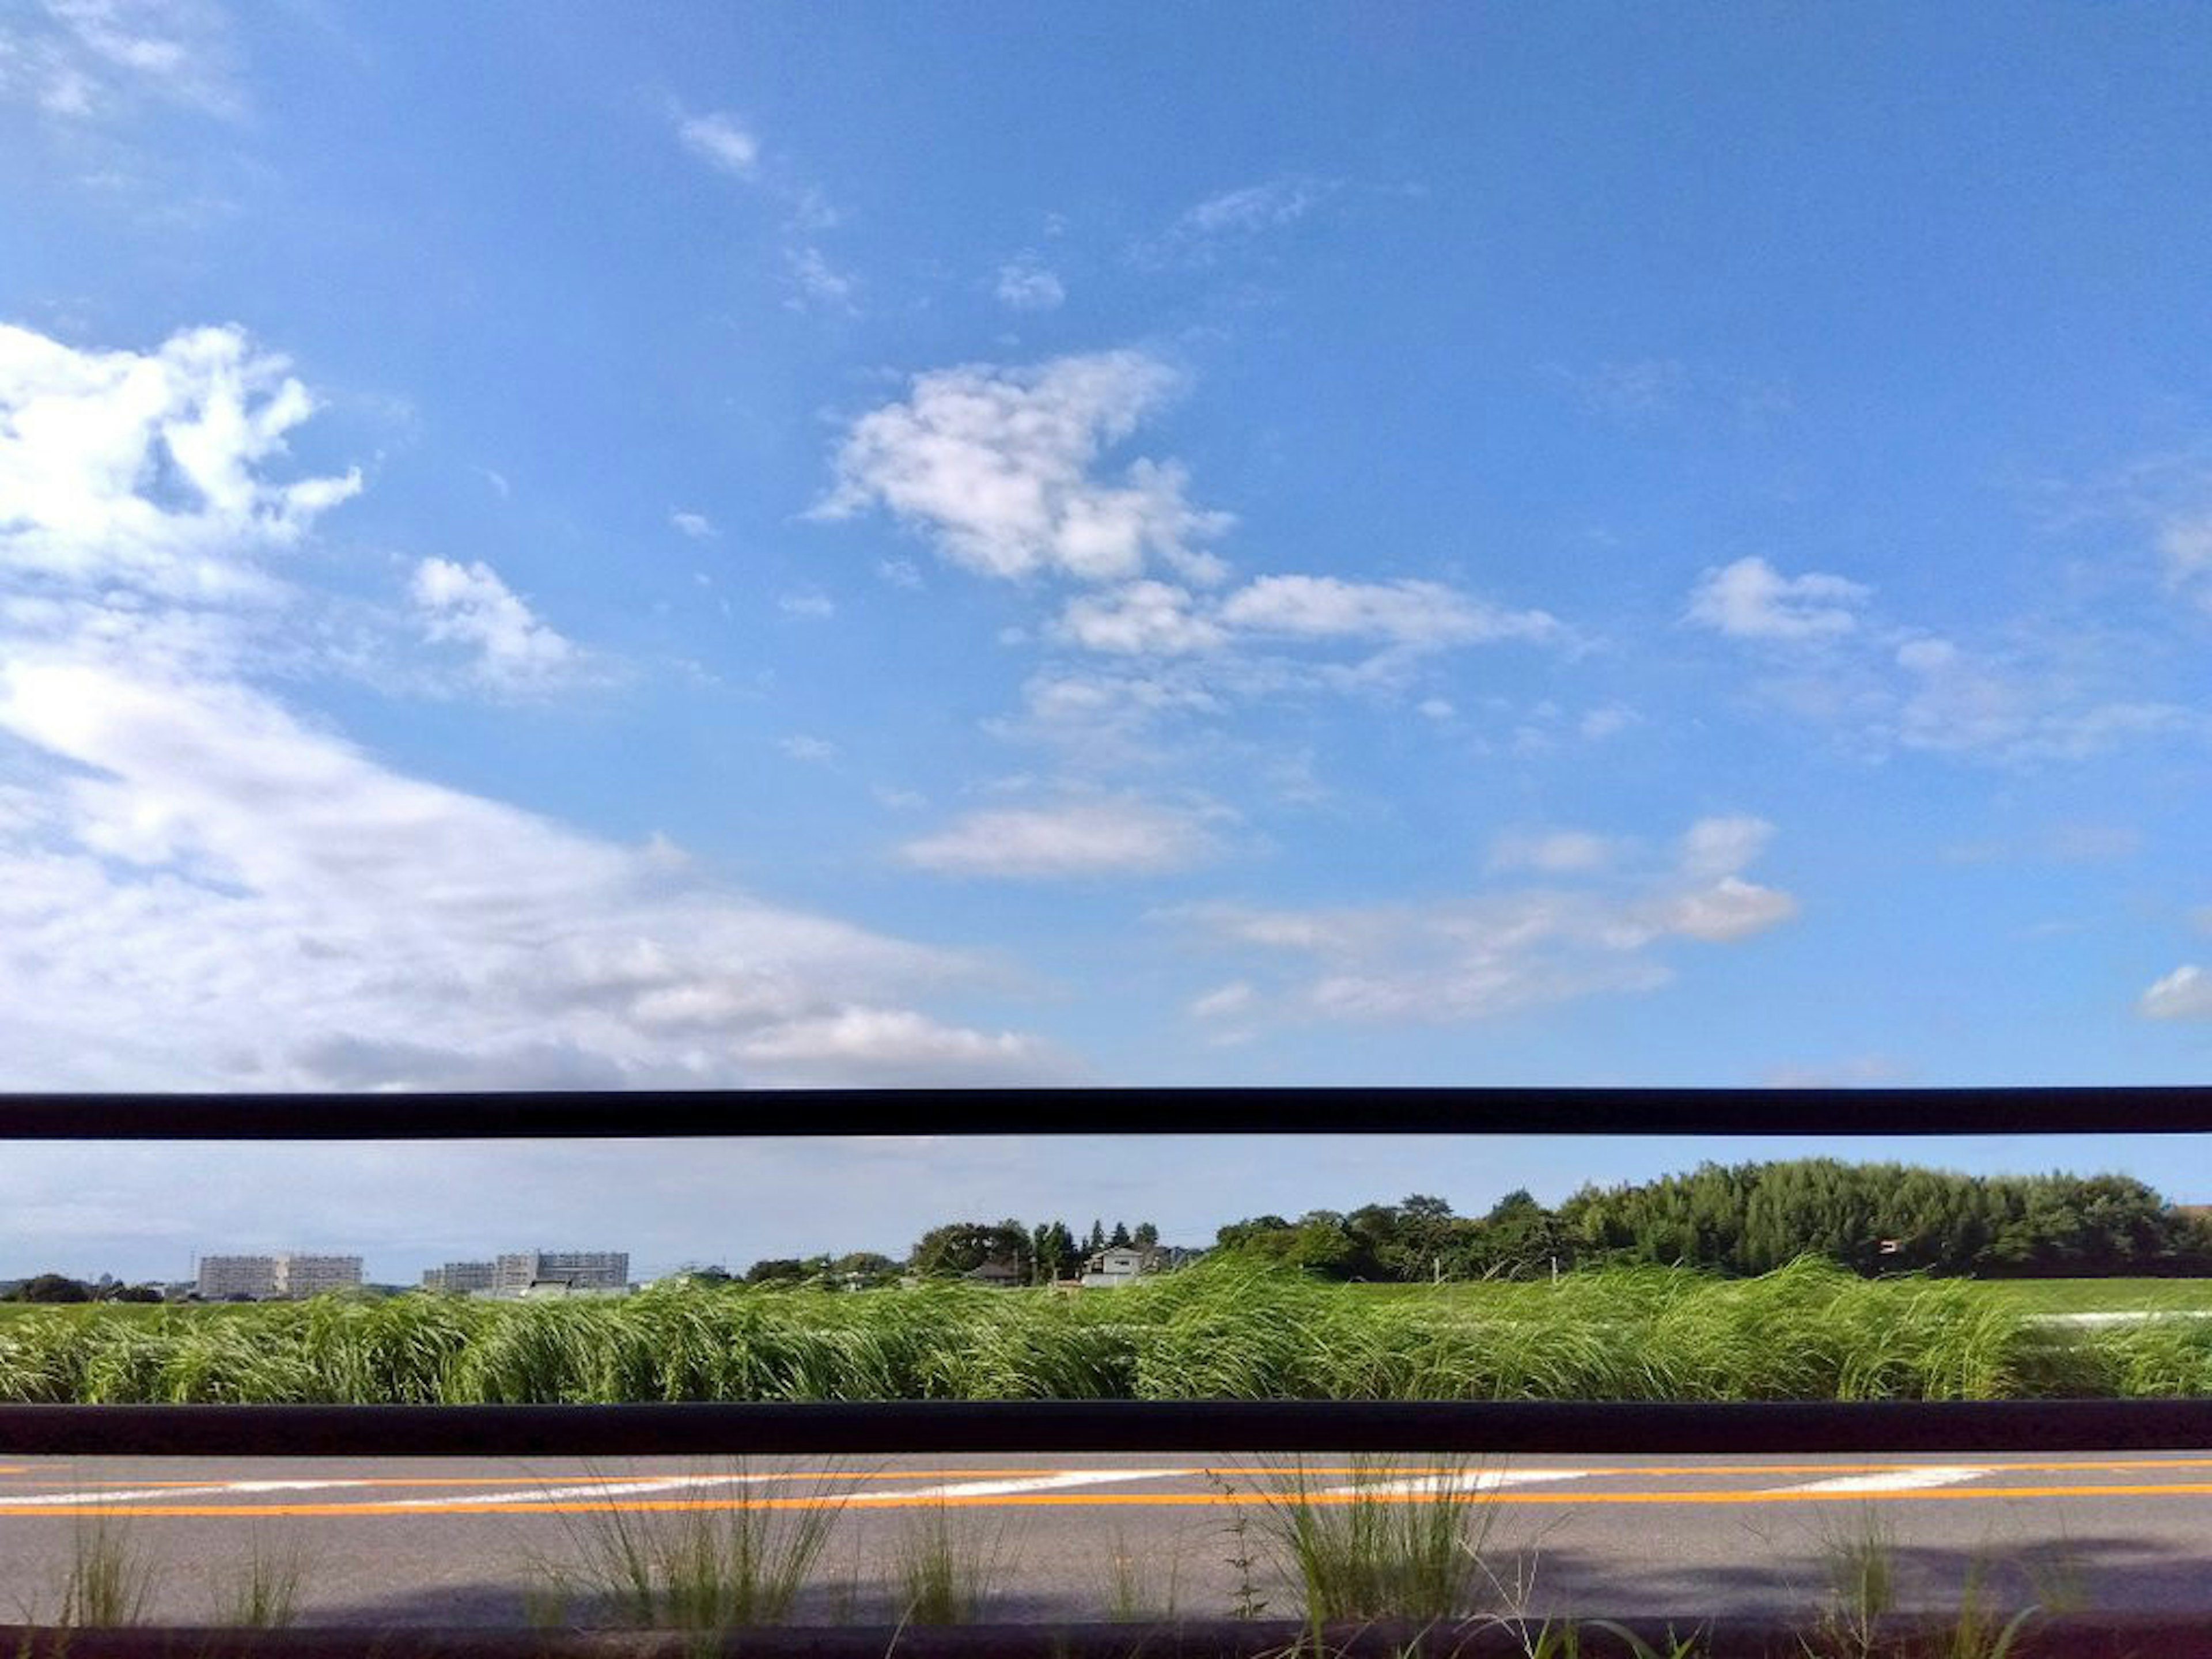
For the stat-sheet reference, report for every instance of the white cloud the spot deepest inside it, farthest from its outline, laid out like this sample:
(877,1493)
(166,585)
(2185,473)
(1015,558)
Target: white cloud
(1025,285)
(1149,618)
(1607,720)
(900,573)
(1750,599)
(470,605)
(720,140)
(1117,837)
(810,605)
(1721,847)
(150,470)
(815,282)
(1231,219)
(85,60)
(816,750)
(2185,993)
(697,525)
(2184,542)
(1419,614)
(199,888)
(1496,952)
(896,1046)
(1225,1001)
(996,466)
(225,897)
(1555,851)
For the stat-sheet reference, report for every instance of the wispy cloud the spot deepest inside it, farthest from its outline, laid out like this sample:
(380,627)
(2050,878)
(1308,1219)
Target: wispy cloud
(1210,228)
(697,525)
(84,60)
(2033,697)
(817,284)
(1026,284)
(470,605)
(1496,952)
(1121,836)
(721,140)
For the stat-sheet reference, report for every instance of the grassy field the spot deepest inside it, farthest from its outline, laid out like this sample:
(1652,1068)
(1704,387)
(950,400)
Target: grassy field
(1809,1332)
(2068,1296)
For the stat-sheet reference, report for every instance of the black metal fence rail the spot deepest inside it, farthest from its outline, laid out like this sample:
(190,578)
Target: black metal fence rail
(1032,1113)
(1478,1426)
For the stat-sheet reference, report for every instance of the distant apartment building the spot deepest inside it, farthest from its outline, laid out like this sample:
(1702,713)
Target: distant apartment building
(268,1278)
(462,1277)
(517,1272)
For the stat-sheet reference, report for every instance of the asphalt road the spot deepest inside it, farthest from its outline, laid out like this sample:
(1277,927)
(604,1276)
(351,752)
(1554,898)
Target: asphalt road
(415,1543)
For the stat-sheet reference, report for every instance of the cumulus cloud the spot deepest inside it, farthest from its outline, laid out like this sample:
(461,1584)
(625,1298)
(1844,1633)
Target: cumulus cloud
(1499,951)
(998,468)
(151,470)
(697,525)
(1146,618)
(721,140)
(199,888)
(2185,993)
(1750,599)
(1123,836)
(1025,285)
(469,605)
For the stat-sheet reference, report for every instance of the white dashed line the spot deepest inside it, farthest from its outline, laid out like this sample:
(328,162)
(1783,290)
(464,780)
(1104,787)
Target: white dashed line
(1915,1480)
(1037,1483)
(1475,1480)
(605,1489)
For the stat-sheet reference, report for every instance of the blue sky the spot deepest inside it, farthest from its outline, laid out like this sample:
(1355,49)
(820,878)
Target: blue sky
(563,545)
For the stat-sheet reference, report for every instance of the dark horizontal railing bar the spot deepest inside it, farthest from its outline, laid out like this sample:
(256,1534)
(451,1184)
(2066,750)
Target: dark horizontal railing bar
(1500,1428)
(2131,1635)
(1033,1112)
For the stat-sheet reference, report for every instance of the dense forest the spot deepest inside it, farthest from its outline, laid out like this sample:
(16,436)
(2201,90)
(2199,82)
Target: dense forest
(1750,1217)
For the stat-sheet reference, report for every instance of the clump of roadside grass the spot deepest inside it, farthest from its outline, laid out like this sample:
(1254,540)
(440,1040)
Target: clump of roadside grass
(1382,1545)
(110,1580)
(696,1562)
(261,1590)
(947,1570)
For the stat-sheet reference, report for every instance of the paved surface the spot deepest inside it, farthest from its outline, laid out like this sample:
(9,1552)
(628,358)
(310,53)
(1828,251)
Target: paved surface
(443,1542)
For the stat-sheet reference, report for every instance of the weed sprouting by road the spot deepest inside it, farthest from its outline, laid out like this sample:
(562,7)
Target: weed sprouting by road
(716,1560)
(948,1569)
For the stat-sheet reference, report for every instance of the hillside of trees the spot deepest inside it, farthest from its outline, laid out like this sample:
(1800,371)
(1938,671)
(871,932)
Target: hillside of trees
(1751,1218)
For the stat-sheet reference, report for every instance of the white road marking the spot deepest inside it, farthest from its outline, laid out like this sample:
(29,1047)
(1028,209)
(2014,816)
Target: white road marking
(1475,1481)
(1915,1480)
(604,1489)
(110,1496)
(1034,1483)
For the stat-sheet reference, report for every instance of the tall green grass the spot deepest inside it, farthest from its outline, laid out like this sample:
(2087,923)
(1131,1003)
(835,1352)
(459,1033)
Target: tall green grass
(1220,1330)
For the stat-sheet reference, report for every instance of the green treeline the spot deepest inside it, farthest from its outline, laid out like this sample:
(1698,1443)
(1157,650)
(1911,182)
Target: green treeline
(1749,1219)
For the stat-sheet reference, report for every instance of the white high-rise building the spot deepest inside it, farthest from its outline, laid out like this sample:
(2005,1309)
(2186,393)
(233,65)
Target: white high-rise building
(514,1274)
(267,1278)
